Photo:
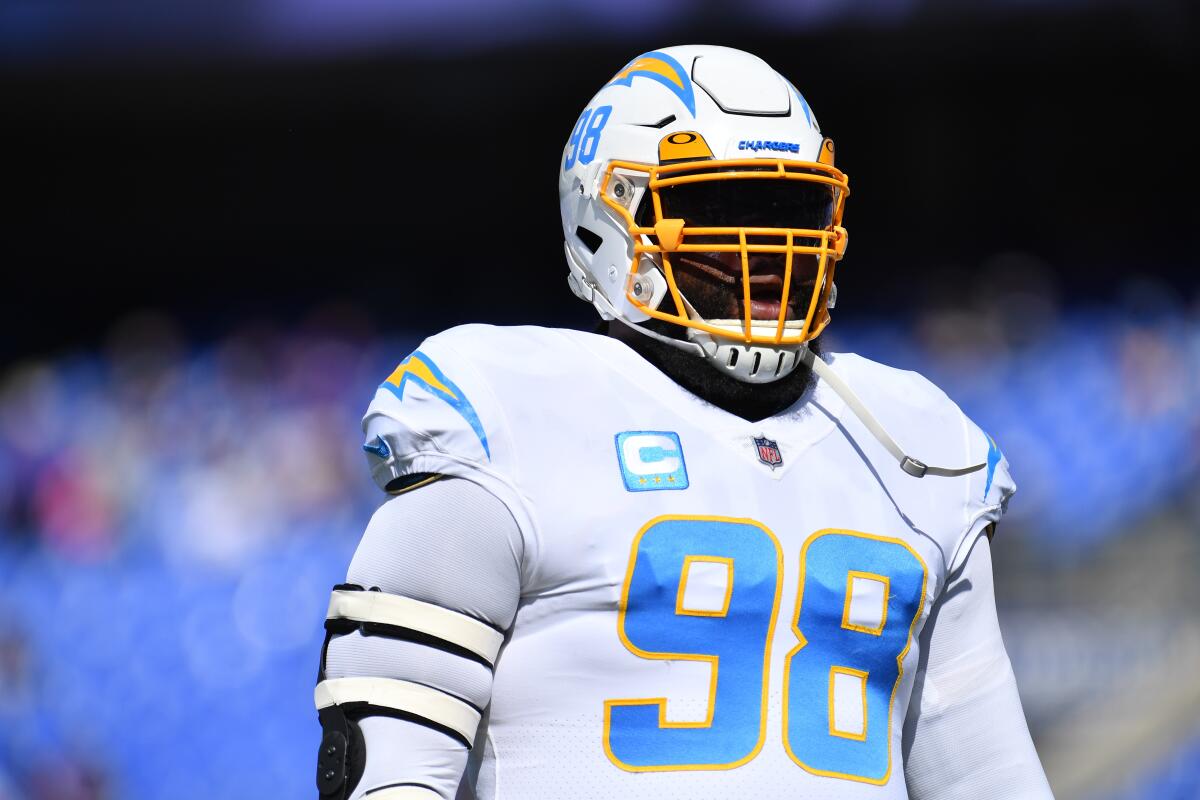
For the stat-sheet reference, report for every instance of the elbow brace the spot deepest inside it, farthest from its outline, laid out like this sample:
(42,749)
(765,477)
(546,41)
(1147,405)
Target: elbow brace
(341,702)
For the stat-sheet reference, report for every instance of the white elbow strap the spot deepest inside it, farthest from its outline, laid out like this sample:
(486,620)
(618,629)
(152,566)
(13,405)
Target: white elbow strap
(404,699)
(373,608)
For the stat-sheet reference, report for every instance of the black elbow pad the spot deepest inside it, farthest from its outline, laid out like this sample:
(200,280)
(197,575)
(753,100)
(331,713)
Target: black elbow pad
(342,757)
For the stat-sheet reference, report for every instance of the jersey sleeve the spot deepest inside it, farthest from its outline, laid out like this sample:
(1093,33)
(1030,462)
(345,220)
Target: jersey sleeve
(433,414)
(437,415)
(988,490)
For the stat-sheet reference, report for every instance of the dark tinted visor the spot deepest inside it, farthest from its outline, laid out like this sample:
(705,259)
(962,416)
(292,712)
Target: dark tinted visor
(750,203)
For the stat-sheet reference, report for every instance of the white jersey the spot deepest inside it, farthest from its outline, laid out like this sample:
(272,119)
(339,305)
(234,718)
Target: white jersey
(710,607)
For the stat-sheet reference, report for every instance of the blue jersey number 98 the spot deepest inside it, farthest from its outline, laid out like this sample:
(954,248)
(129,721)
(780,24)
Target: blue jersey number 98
(860,596)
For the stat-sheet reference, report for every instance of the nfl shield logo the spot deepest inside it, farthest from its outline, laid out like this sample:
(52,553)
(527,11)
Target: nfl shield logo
(768,451)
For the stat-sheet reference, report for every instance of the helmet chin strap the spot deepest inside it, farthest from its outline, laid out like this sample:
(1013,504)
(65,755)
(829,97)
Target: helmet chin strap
(678,344)
(912,466)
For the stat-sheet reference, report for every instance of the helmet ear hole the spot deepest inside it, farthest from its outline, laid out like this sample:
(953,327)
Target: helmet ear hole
(591,240)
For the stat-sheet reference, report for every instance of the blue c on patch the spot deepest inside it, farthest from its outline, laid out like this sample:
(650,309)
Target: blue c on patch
(651,461)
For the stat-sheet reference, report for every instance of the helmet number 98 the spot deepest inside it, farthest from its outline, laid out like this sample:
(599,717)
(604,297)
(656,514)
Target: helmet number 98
(585,138)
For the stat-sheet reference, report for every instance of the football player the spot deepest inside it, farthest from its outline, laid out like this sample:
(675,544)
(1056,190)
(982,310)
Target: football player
(690,558)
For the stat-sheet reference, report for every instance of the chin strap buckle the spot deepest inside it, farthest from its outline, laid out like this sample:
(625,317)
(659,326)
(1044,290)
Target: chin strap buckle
(913,467)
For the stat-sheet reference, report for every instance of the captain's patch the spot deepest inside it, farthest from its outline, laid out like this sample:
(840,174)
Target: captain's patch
(651,460)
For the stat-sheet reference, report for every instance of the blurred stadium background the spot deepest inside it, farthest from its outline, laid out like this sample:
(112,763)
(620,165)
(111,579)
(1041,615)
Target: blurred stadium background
(227,221)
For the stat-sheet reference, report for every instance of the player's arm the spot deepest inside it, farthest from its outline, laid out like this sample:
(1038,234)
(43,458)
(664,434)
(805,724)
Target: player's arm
(413,635)
(965,736)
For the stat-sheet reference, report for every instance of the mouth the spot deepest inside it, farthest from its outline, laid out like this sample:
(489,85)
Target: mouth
(766,285)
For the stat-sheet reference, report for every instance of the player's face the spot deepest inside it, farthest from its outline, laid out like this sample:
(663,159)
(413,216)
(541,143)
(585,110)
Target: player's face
(714,282)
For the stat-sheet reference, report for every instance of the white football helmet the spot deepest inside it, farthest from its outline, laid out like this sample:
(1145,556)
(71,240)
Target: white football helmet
(708,151)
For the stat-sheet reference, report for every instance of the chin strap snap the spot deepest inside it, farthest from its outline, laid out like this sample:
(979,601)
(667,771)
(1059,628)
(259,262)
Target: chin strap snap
(910,465)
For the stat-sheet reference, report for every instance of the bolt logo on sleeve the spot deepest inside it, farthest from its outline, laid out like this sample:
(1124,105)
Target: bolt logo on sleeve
(420,369)
(993,458)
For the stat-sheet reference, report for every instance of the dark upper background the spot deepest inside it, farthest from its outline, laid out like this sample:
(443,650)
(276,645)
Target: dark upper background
(201,166)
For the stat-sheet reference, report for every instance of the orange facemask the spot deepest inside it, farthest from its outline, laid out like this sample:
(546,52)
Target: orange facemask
(684,162)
